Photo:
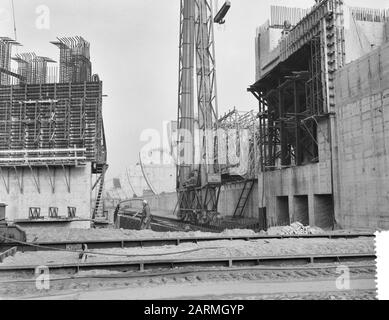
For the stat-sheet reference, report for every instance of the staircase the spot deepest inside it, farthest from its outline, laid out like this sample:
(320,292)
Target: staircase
(243,198)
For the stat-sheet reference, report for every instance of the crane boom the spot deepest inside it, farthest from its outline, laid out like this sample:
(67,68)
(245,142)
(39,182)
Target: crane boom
(198,184)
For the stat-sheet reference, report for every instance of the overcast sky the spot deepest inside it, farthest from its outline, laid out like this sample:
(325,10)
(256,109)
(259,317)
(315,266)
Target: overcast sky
(134,49)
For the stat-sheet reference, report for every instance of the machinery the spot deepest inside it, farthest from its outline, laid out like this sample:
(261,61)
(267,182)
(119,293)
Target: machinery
(8,232)
(198,171)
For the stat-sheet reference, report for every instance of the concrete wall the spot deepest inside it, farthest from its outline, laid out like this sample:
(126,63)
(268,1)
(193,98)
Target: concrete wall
(294,192)
(387,32)
(307,181)
(362,107)
(228,199)
(19,202)
(267,40)
(361,37)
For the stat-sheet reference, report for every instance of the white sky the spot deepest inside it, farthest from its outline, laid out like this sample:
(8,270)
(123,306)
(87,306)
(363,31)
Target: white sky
(134,49)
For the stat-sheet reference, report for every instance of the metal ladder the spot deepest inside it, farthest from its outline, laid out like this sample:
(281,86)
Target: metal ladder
(244,196)
(98,209)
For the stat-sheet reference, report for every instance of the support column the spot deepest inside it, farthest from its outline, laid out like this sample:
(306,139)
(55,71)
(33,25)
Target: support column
(311,209)
(283,138)
(291,209)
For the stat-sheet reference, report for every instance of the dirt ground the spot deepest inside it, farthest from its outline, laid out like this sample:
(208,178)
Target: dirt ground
(38,234)
(299,282)
(224,248)
(361,288)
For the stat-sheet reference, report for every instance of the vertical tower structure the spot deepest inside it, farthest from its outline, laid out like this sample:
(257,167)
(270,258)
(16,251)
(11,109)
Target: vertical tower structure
(198,172)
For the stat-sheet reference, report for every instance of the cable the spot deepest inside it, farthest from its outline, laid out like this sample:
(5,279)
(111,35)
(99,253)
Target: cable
(106,253)
(129,182)
(145,176)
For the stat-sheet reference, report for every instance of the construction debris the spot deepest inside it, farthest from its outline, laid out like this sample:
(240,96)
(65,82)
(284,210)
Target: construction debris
(296,228)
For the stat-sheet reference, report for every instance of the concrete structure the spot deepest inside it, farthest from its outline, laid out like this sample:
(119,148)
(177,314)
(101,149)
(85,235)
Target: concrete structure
(165,203)
(21,200)
(52,143)
(309,115)
(362,123)
(270,33)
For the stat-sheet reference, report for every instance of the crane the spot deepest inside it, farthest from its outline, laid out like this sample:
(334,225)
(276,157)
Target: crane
(198,171)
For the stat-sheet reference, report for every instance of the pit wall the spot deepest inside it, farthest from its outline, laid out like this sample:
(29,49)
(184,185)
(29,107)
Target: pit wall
(301,193)
(229,197)
(362,108)
(165,204)
(18,203)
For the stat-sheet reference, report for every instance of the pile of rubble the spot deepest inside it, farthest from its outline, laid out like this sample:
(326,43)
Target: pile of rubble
(296,228)
(238,232)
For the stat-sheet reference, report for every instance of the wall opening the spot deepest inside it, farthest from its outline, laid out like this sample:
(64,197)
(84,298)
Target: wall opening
(323,211)
(282,211)
(301,210)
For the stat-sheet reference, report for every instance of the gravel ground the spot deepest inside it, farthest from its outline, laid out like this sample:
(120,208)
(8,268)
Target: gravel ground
(87,281)
(225,248)
(344,295)
(37,234)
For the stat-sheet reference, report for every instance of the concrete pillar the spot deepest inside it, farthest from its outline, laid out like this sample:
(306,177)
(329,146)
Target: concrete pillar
(291,208)
(311,209)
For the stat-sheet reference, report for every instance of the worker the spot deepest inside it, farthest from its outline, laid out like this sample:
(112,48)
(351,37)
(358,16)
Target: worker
(115,216)
(83,255)
(146,216)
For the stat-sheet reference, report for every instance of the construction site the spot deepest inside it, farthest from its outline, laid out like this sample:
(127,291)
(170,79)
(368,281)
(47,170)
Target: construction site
(268,203)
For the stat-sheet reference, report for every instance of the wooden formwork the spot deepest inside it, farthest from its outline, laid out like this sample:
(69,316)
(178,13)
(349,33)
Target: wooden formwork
(59,117)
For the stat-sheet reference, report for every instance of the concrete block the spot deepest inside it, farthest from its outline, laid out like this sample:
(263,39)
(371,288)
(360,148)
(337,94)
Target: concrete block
(79,194)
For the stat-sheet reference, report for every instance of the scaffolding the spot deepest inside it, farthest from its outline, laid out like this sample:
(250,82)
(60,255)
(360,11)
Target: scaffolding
(287,138)
(75,64)
(6,74)
(239,131)
(34,69)
(60,118)
(232,126)
(298,93)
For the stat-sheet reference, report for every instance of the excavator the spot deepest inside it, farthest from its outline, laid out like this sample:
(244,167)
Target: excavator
(198,171)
